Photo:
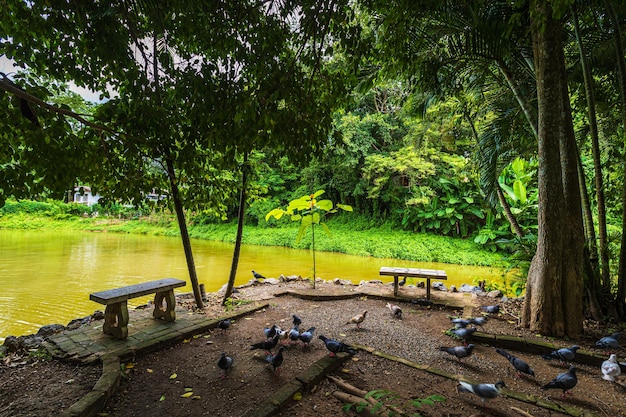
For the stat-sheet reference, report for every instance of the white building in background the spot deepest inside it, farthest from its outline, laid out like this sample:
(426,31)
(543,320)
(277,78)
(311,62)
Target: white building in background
(83,195)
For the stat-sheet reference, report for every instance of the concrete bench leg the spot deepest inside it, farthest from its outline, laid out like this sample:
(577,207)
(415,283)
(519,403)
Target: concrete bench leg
(116,320)
(168,313)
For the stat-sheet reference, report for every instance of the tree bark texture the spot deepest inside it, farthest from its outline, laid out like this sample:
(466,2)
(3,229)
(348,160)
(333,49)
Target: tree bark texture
(554,287)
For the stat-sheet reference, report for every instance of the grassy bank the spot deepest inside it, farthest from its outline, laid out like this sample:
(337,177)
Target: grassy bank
(347,237)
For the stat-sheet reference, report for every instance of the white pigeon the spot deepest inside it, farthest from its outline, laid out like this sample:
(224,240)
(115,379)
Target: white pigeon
(610,368)
(395,310)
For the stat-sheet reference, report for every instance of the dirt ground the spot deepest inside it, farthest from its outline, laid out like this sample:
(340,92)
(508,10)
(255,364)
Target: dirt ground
(184,380)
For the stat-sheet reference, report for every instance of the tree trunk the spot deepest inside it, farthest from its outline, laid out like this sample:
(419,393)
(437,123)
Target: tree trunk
(553,291)
(597,164)
(621,66)
(184,233)
(509,214)
(240,221)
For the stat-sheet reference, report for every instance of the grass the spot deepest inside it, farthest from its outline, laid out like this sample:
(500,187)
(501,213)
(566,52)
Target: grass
(348,238)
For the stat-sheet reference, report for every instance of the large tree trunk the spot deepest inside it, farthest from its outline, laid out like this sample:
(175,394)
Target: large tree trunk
(240,221)
(621,66)
(553,293)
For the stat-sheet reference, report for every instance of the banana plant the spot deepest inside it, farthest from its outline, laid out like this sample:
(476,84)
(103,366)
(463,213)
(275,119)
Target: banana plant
(309,211)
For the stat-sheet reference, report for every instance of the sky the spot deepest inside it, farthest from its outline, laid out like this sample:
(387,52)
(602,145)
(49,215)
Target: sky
(7,67)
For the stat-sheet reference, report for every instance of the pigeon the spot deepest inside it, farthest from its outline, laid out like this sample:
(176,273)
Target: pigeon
(491,309)
(225,363)
(478,321)
(335,346)
(563,354)
(276,360)
(461,323)
(266,345)
(296,320)
(610,368)
(395,310)
(307,336)
(459,351)
(358,319)
(464,333)
(224,324)
(520,366)
(401,283)
(270,332)
(294,334)
(282,334)
(609,342)
(484,391)
(257,275)
(565,381)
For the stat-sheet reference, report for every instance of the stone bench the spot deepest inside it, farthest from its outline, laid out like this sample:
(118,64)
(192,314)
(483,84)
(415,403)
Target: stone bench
(413,273)
(116,313)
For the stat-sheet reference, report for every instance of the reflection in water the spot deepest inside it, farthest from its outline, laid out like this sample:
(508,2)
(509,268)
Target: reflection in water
(46,277)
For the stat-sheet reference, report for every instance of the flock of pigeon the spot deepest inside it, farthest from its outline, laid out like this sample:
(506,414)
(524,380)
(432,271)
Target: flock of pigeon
(564,381)
(275,336)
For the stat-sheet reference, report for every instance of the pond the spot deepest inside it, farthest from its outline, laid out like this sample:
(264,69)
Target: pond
(46,276)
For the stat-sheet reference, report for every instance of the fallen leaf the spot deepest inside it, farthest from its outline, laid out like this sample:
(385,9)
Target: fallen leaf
(173,376)
(187,394)
(162,398)
(196,397)
(186,340)
(149,370)
(195,336)
(297,396)
(69,381)
(342,334)
(129,365)
(355,359)
(345,371)
(188,389)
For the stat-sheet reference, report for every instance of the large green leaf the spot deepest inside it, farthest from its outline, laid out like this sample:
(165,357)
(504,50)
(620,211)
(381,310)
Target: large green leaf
(325,205)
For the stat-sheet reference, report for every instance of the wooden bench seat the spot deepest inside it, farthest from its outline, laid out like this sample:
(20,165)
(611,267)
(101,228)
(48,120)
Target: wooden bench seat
(429,274)
(116,313)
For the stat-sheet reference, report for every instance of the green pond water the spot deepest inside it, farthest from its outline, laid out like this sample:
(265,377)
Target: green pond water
(46,277)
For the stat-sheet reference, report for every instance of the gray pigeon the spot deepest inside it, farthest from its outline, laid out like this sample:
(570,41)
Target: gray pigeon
(563,354)
(491,309)
(478,321)
(224,324)
(276,360)
(484,391)
(395,310)
(257,275)
(296,320)
(461,323)
(266,345)
(464,333)
(335,346)
(459,351)
(565,381)
(307,336)
(225,363)
(609,342)
(270,332)
(294,334)
(519,365)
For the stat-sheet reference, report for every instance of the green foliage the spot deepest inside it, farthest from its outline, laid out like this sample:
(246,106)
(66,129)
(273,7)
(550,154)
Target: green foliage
(309,212)
(393,400)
